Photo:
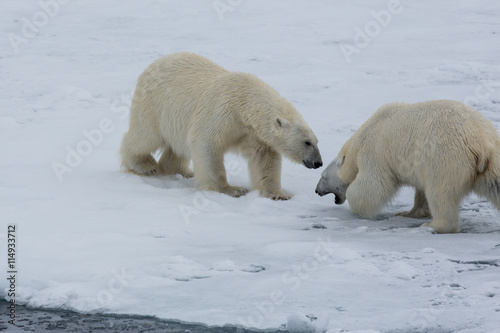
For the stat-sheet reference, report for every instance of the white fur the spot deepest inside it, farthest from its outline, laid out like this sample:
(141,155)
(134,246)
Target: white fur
(444,149)
(191,108)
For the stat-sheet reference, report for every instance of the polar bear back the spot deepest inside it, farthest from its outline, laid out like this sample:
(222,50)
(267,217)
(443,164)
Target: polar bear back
(431,135)
(170,89)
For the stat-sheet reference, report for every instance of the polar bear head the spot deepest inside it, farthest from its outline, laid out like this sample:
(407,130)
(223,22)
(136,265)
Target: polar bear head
(330,182)
(297,142)
(337,177)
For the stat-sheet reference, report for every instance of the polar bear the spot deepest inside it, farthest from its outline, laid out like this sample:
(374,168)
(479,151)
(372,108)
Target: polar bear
(444,149)
(192,109)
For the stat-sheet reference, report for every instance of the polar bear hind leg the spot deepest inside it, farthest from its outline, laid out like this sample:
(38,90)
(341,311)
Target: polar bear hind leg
(445,188)
(444,206)
(136,153)
(171,164)
(490,190)
(488,184)
(420,207)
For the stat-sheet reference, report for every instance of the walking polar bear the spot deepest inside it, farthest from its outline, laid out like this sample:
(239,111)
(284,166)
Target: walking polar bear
(444,149)
(191,108)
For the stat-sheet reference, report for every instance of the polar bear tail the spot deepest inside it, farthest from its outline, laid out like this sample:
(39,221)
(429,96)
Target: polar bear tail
(488,182)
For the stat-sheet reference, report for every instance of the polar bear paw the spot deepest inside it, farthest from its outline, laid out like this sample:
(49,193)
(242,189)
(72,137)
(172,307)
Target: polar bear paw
(145,167)
(442,228)
(235,191)
(276,195)
(281,196)
(187,173)
(418,213)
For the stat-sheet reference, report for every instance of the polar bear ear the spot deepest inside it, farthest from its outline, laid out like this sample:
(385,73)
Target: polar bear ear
(340,161)
(283,123)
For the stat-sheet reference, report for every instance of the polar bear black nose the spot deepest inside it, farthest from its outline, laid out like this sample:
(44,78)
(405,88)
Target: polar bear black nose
(318,165)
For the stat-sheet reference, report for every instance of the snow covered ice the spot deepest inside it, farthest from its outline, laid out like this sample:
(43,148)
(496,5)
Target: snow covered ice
(94,239)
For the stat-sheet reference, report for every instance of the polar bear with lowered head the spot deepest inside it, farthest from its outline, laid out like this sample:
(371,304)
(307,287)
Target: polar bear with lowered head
(444,149)
(192,109)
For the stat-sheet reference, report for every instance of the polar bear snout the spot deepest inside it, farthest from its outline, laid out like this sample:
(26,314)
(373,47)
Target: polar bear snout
(323,189)
(313,159)
(320,190)
(313,164)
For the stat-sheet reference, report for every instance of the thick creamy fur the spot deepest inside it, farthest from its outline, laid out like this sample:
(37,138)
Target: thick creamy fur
(444,149)
(191,108)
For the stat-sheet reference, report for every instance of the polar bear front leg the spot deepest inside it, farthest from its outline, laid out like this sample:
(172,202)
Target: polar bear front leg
(265,172)
(209,171)
(420,207)
(369,192)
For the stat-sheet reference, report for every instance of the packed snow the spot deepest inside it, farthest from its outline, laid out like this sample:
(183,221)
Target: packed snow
(92,238)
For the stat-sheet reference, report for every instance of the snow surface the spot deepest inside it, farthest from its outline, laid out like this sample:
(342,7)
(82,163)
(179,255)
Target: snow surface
(95,239)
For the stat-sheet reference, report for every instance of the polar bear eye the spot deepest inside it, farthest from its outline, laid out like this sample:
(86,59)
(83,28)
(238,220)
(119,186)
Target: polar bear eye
(307,143)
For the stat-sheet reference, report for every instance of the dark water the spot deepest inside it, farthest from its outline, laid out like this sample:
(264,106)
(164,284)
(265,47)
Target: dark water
(54,321)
